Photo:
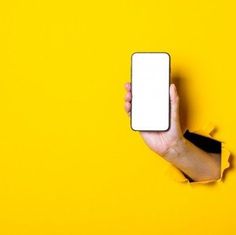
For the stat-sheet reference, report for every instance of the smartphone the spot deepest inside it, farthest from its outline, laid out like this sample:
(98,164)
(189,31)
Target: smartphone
(150,81)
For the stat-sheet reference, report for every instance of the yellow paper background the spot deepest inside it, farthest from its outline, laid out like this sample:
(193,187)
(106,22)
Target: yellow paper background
(70,163)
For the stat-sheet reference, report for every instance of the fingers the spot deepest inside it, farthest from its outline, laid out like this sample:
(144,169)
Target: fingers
(128,86)
(128,98)
(174,98)
(173,93)
(127,107)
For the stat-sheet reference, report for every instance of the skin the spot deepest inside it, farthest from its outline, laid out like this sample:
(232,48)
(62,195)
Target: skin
(172,146)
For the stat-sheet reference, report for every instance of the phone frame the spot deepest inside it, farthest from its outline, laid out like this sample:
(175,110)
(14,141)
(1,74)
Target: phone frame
(161,52)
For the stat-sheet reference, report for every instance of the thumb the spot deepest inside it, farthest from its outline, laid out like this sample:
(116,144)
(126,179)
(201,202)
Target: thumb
(174,100)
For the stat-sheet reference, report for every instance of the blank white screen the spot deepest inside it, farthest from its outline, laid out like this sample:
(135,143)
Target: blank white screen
(150,91)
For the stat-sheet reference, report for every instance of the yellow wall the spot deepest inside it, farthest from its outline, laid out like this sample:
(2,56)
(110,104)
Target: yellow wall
(69,162)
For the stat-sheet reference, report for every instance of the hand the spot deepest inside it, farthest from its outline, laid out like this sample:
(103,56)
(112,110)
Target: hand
(160,142)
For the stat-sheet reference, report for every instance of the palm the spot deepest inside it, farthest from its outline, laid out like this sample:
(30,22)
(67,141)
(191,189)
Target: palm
(159,142)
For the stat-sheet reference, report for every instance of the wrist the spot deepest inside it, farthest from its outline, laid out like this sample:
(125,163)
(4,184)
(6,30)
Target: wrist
(175,149)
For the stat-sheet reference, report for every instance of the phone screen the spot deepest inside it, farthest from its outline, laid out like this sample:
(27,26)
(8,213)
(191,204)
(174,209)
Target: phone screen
(150,81)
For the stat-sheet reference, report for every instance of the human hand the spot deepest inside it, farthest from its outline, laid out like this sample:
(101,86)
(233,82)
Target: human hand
(160,142)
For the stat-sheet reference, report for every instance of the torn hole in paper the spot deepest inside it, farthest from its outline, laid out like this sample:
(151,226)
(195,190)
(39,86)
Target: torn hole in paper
(210,145)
